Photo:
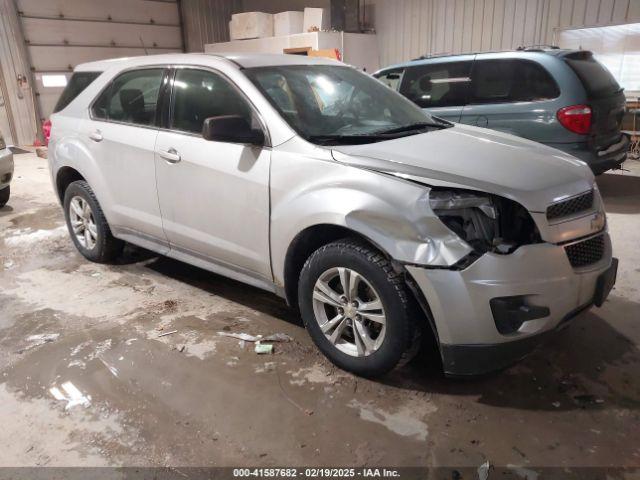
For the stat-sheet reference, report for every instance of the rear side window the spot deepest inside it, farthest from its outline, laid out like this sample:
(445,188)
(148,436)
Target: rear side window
(199,94)
(597,80)
(131,98)
(437,85)
(77,83)
(505,81)
(391,78)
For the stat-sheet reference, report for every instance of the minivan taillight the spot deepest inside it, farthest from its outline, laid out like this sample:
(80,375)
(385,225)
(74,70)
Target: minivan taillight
(46,131)
(576,118)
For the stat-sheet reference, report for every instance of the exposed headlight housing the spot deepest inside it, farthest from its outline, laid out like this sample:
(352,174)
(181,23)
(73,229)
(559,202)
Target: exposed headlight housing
(488,223)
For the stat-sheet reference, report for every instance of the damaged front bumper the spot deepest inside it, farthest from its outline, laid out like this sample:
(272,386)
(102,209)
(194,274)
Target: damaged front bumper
(495,311)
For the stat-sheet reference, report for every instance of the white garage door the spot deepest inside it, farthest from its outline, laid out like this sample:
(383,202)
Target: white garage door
(60,34)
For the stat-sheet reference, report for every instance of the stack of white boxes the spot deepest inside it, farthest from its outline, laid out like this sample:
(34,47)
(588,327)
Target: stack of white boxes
(251,25)
(316,19)
(287,23)
(260,25)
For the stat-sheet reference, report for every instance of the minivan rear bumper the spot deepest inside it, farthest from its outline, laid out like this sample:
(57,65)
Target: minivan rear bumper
(599,161)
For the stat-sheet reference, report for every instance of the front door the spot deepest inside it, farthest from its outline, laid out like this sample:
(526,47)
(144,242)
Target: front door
(214,196)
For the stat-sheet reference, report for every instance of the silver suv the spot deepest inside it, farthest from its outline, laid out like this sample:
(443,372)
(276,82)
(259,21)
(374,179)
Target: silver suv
(306,178)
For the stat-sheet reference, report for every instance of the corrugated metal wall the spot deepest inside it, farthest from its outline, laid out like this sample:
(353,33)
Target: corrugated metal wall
(60,34)
(410,28)
(207,21)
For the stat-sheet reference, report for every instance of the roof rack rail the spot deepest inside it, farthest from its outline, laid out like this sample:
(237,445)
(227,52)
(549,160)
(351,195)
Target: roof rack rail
(434,55)
(537,48)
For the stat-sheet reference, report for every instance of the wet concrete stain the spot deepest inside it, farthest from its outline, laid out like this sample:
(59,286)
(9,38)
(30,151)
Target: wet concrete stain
(90,336)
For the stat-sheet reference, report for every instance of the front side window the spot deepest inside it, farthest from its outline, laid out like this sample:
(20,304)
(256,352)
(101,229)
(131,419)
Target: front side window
(199,94)
(333,103)
(501,81)
(437,85)
(131,98)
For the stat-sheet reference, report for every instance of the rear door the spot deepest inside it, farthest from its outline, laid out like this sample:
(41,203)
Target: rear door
(121,136)
(604,96)
(441,87)
(512,95)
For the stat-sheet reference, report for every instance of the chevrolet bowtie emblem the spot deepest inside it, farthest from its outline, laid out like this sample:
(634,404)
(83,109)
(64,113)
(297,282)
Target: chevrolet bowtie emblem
(598,221)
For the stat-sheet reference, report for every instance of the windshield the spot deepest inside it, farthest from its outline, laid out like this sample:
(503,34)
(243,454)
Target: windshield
(331,105)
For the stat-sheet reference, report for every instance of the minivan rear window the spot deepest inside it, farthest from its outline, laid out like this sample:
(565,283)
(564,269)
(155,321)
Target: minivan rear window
(597,80)
(78,82)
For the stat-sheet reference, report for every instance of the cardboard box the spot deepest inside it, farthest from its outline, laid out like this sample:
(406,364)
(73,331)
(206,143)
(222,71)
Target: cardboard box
(251,25)
(287,23)
(316,18)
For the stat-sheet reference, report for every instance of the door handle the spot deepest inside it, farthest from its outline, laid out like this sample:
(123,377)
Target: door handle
(171,155)
(96,136)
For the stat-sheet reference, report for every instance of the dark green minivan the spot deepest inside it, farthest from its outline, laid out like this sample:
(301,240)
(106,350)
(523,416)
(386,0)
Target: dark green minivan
(563,98)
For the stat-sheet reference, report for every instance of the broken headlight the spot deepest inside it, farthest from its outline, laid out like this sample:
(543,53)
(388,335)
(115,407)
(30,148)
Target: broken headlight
(488,223)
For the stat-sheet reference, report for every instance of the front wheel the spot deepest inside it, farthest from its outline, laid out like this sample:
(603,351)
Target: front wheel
(88,226)
(356,308)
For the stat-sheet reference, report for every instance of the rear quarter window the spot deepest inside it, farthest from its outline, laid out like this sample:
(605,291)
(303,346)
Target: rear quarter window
(509,81)
(78,82)
(597,80)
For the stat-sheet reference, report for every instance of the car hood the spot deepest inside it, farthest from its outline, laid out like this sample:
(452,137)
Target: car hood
(470,157)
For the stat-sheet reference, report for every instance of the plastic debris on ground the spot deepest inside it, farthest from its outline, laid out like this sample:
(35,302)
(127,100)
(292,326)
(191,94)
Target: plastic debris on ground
(261,348)
(167,333)
(275,337)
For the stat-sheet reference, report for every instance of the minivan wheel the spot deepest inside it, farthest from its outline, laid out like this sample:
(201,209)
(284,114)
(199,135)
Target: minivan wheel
(356,308)
(5,193)
(87,225)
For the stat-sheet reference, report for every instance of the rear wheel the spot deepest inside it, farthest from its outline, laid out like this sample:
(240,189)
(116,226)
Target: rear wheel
(87,225)
(356,308)
(5,193)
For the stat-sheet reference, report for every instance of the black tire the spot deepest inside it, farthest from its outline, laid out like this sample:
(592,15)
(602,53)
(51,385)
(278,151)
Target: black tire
(5,193)
(107,248)
(402,331)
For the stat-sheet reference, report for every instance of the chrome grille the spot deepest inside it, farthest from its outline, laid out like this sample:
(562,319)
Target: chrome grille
(574,205)
(586,252)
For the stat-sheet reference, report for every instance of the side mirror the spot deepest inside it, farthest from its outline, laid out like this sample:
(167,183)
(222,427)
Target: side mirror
(232,129)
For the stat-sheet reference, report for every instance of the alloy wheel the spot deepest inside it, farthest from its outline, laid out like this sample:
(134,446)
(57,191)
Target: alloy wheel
(349,311)
(83,222)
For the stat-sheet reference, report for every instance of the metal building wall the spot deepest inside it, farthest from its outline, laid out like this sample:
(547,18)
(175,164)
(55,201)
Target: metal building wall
(207,21)
(60,34)
(410,28)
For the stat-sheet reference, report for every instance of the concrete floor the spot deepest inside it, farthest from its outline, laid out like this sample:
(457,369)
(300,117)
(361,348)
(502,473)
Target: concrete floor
(86,379)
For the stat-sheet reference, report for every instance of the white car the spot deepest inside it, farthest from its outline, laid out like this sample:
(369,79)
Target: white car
(306,178)
(6,172)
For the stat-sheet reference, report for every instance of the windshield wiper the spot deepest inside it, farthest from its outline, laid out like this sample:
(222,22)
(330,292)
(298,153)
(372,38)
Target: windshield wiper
(346,139)
(411,127)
